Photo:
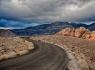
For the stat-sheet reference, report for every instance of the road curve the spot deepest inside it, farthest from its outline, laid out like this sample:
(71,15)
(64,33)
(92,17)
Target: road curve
(44,57)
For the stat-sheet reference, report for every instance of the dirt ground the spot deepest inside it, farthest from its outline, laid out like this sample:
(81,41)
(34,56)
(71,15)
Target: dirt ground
(84,49)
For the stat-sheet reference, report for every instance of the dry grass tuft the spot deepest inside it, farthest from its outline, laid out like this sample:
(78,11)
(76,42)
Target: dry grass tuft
(13,46)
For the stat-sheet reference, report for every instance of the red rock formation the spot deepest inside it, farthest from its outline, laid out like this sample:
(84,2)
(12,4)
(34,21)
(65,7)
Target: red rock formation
(93,35)
(87,34)
(79,33)
(66,32)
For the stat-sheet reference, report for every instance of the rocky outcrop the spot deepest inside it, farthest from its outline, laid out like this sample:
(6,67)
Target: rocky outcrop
(79,33)
(87,34)
(6,33)
(67,32)
(93,35)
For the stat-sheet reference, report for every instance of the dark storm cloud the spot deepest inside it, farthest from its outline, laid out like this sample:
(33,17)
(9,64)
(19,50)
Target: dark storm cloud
(47,10)
(15,24)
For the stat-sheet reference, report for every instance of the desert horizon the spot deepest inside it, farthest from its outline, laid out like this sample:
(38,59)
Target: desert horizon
(47,34)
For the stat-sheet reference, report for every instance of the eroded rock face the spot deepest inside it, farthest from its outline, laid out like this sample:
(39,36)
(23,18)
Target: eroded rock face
(66,32)
(93,35)
(79,33)
(87,34)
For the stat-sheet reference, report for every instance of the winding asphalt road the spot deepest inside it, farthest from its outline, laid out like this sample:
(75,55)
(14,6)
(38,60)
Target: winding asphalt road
(44,57)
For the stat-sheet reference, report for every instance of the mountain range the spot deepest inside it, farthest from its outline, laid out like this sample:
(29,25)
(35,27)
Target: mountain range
(50,29)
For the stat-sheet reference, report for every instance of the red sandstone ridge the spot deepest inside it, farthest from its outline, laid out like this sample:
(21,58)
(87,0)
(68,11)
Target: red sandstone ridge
(93,35)
(79,33)
(66,32)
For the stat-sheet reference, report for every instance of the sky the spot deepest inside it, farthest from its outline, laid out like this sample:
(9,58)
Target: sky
(26,13)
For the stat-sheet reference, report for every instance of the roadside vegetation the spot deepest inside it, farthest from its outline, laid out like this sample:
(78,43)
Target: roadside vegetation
(14,46)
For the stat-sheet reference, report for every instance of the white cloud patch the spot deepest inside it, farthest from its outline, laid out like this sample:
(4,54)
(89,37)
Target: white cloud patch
(6,28)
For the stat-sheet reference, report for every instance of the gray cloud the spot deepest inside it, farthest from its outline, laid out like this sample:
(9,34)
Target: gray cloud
(48,10)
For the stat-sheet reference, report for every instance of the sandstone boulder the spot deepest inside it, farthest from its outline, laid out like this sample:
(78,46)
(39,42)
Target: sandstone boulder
(87,34)
(66,32)
(79,32)
(93,35)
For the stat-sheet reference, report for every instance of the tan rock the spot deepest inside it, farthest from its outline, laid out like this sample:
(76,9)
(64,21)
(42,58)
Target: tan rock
(66,32)
(79,32)
(23,52)
(8,55)
(72,32)
(87,34)
(93,35)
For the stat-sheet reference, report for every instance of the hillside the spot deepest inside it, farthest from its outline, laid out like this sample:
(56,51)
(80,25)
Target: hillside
(6,33)
(79,33)
(82,48)
(13,46)
(50,29)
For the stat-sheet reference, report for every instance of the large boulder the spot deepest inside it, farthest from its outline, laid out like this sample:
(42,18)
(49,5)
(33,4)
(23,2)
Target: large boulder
(93,35)
(87,34)
(66,32)
(79,32)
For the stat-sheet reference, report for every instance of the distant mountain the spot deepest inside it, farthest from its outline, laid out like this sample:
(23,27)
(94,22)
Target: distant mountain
(92,26)
(50,29)
(6,33)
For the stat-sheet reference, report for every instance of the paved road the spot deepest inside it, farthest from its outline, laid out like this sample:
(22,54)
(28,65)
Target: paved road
(43,57)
